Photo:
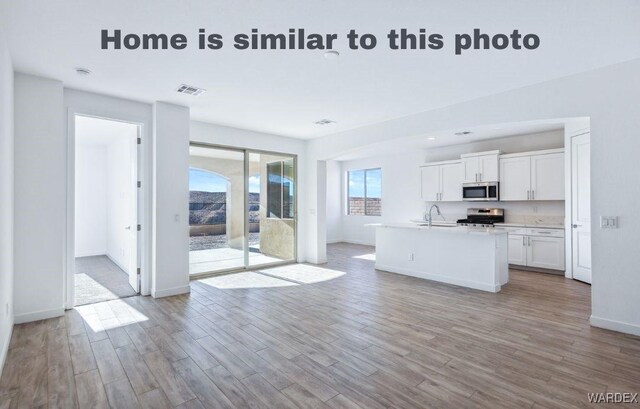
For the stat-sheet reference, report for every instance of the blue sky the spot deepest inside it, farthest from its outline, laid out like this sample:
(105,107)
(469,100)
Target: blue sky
(204,181)
(374,183)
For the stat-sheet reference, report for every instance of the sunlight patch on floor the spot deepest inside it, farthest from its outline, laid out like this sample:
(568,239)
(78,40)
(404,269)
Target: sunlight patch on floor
(245,280)
(370,257)
(303,273)
(101,317)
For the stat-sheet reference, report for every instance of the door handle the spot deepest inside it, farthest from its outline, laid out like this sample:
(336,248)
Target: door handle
(128,228)
(576,225)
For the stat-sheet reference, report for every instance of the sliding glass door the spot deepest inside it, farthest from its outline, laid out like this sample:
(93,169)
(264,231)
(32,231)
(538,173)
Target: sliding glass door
(272,207)
(242,208)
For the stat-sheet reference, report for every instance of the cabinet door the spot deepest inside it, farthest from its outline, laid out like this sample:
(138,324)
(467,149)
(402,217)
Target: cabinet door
(470,168)
(545,252)
(515,178)
(488,168)
(547,177)
(451,182)
(517,250)
(430,177)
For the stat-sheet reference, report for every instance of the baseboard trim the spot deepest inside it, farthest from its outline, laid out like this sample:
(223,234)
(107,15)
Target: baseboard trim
(92,254)
(39,315)
(171,291)
(362,243)
(615,325)
(442,279)
(5,349)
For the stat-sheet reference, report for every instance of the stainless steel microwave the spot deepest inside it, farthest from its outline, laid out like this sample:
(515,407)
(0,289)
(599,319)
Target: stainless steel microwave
(481,192)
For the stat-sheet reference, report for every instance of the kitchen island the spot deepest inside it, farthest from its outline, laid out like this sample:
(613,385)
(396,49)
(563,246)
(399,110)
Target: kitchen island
(465,256)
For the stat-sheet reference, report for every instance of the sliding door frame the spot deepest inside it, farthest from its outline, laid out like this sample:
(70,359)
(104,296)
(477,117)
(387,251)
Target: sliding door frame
(246,152)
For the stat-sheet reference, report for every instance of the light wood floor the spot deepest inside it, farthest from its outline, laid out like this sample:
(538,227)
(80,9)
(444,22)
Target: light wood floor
(365,339)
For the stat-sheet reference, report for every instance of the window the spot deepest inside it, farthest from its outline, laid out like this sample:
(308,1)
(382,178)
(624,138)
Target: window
(280,199)
(364,192)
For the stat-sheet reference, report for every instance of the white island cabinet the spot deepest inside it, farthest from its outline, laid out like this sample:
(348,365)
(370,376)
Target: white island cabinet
(464,256)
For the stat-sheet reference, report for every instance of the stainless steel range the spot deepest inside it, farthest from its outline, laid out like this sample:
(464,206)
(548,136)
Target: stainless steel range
(477,217)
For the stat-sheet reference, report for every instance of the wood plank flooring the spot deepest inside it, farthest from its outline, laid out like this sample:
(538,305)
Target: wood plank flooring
(360,339)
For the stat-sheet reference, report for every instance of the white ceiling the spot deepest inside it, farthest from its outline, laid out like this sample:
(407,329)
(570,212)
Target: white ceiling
(96,131)
(449,138)
(284,92)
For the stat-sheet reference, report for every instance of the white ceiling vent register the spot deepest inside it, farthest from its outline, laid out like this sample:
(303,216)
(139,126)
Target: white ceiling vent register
(324,122)
(190,90)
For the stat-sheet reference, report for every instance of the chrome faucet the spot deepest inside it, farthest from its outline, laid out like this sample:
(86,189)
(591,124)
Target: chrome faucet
(429,217)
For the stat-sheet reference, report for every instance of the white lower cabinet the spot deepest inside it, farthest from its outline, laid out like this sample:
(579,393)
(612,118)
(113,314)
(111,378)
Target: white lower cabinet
(517,250)
(546,252)
(540,248)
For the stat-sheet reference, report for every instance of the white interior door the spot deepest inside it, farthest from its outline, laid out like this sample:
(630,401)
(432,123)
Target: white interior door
(133,215)
(581,207)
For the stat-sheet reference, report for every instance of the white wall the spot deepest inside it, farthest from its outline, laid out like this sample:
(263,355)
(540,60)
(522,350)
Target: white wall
(608,96)
(170,243)
(91,200)
(6,199)
(119,199)
(400,194)
(334,202)
(40,198)
(239,138)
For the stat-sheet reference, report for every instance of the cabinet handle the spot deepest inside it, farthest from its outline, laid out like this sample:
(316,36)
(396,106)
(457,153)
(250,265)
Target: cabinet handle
(480,177)
(533,194)
(476,177)
(528,195)
(529,241)
(523,239)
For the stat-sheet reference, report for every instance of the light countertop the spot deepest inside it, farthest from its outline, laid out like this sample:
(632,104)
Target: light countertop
(450,228)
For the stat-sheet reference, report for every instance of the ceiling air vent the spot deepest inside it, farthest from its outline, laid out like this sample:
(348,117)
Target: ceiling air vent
(324,122)
(190,90)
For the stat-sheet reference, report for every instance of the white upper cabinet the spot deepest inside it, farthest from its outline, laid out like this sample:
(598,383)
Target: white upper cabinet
(451,182)
(480,167)
(515,178)
(430,177)
(547,177)
(441,182)
(532,176)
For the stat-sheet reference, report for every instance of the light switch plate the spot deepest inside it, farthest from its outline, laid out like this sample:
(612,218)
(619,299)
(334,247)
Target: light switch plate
(609,222)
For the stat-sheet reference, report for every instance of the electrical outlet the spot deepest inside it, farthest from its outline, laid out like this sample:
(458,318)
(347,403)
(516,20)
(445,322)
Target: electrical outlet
(410,256)
(609,222)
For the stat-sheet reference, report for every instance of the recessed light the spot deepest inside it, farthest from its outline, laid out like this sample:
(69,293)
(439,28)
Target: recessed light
(82,71)
(331,55)
(324,122)
(462,133)
(432,138)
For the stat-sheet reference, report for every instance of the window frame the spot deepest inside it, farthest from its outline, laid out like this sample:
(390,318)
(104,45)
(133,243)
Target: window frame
(282,195)
(365,197)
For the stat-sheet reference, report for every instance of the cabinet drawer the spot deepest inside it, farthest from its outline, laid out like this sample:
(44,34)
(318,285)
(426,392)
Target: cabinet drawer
(515,230)
(546,232)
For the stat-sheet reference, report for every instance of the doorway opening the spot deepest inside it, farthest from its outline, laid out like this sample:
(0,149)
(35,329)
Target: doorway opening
(106,210)
(242,208)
